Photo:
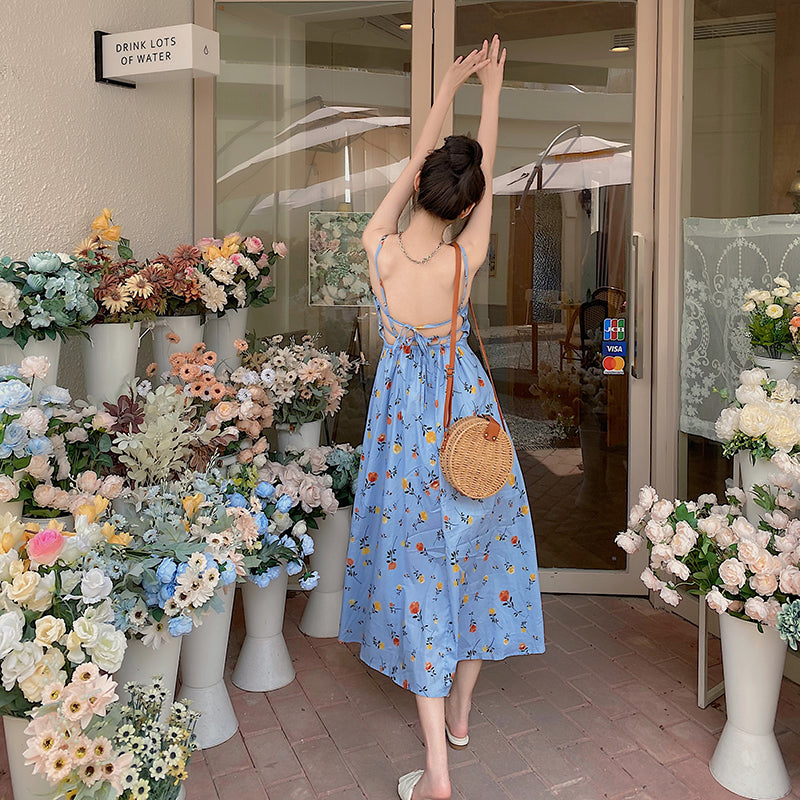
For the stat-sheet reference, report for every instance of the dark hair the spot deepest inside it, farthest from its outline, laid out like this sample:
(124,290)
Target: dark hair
(451,178)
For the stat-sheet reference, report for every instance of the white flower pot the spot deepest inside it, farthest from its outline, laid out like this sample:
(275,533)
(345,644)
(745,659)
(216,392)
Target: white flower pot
(66,521)
(747,760)
(141,664)
(12,353)
(750,475)
(109,359)
(323,610)
(298,437)
(778,368)
(221,332)
(264,662)
(13,507)
(189,331)
(202,669)
(24,784)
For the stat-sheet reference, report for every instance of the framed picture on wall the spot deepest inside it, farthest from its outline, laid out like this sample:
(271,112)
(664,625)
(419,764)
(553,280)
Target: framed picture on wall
(338,269)
(491,255)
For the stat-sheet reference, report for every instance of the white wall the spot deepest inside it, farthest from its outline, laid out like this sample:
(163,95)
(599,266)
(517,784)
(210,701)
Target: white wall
(70,146)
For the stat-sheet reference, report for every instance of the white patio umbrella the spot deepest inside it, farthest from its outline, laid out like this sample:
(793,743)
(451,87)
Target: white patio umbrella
(325,113)
(581,162)
(336,187)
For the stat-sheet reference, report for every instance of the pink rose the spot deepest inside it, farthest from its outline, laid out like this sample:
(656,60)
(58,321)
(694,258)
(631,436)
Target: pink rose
(748,551)
(732,573)
(111,487)
(40,468)
(46,546)
(9,489)
(76,435)
(280,249)
(670,596)
(45,495)
(660,554)
(237,258)
(661,510)
(773,607)
(684,539)
(756,608)
(34,421)
(34,367)
(88,481)
(790,580)
(742,528)
(253,244)
(649,579)
(62,499)
(764,583)
(657,533)
(207,241)
(77,500)
(717,601)
(102,421)
(724,536)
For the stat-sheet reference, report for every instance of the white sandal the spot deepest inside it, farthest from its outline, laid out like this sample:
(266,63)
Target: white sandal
(456,742)
(406,784)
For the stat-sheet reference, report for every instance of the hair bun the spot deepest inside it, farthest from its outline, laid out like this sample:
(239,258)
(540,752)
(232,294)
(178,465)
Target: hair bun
(465,154)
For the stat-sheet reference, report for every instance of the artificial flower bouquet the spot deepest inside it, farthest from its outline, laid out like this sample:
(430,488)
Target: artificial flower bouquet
(764,417)
(301,382)
(340,463)
(57,606)
(88,744)
(774,319)
(708,548)
(44,297)
(239,271)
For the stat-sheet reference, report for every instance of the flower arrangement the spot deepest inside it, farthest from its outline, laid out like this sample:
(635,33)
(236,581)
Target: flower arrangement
(88,744)
(57,612)
(300,381)
(44,297)
(340,463)
(764,418)
(710,549)
(237,271)
(774,319)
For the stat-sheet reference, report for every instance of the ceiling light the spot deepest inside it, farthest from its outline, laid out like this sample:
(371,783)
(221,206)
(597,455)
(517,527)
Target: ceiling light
(405,26)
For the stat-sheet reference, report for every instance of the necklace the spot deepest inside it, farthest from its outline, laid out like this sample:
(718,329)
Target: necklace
(417,260)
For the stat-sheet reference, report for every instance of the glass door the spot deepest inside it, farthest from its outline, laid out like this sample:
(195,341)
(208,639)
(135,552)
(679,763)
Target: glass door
(561,302)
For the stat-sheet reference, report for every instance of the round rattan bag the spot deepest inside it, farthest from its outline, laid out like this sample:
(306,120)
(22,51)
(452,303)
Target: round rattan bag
(476,456)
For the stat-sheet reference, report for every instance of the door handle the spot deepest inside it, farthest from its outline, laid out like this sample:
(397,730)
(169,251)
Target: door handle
(633,313)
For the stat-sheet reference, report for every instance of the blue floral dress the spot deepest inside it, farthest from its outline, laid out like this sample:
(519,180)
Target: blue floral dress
(433,577)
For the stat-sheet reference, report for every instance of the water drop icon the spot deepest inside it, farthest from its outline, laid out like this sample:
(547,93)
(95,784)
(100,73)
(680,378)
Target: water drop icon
(205,50)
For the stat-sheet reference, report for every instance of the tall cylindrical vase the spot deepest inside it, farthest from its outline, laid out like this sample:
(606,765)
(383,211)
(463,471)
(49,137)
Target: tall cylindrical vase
(747,759)
(298,437)
(264,662)
(752,473)
(141,664)
(778,368)
(324,607)
(222,332)
(202,669)
(24,784)
(188,331)
(109,359)
(12,353)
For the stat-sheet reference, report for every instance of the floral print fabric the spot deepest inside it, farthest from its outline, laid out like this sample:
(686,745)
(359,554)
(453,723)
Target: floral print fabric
(434,577)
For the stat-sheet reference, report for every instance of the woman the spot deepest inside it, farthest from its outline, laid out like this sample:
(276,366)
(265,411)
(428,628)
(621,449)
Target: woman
(436,582)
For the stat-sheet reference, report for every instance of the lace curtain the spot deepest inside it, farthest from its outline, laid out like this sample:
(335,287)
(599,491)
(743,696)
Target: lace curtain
(722,259)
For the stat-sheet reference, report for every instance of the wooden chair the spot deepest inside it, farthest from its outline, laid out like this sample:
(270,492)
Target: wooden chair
(568,349)
(615,298)
(592,315)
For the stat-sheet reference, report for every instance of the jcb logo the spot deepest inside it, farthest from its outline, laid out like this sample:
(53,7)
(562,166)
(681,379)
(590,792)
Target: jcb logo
(614,330)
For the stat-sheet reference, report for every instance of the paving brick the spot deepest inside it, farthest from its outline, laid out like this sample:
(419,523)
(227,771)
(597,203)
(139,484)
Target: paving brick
(298,718)
(601,730)
(601,665)
(551,687)
(323,765)
(199,784)
(652,738)
(254,712)
(567,639)
(502,713)
(554,658)
(696,739)
(393,734)
(605,773)
(273,757)
(475,782)
(525,787)
(297,789)
(604,641)
(712,718)
(241,784)
(321,688)
(365,695)
(500,675)
(344,725)
(492,748)
(695,773)
(654,705)
(374,772)
(304,656)
(230,756)
(547,761)
(652,777)
(600,695)
(339,660)
(553,723)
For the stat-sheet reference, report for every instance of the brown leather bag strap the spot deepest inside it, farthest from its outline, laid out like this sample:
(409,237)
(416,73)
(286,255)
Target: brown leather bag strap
(450,368)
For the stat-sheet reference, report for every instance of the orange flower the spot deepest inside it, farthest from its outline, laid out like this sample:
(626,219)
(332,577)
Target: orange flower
(210,358)
(504,595)
(473,628)
(428,666)
(217,391)
(173,337)
(198,348)
(151,370)
(188,372)
(414,607)
(208,378)
(196,389)
(392,565)
(372,477)
(420,546)
(240,345)
(523,648)
(396,641)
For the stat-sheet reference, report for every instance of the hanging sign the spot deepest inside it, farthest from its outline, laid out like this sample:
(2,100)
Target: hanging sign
(615,347)
(159,53)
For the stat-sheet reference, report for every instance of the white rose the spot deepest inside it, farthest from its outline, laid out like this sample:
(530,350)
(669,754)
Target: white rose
(777,519)
(750,394)
(725,537)
(784,392)
(755,419)
(661,510)
(753,377)
(789,581)
(684,539)
(75,648)
(782,291)
(782,433)
(774,311)
(756,608)
(748,305)
(635,515)
(670,596)
(717,601)
(95,586)
(43,596)
(649,579)
(49,629)
(765,583)
(22,588)
(9,489)
(629,541)
(34,421)
(660,554)
(678,568)
(12,623)
(86,631)
(743,529)
(647,496)
(782,282)
(732,574)
(20,663)
(657,533)
(763,297)
(107,653)
(708,499)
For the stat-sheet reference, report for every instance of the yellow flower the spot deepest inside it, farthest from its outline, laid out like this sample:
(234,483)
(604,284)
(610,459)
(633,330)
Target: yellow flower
(364,551)
(13,533)
(511,570)
(103,221)
(512,479)
(376,605)
(115,538)
(232,239)
(405,483)
(93,510)
(523,510)
(455,567)
(421,579)
(397,448)
(430,437)
(191,503)
(423,515)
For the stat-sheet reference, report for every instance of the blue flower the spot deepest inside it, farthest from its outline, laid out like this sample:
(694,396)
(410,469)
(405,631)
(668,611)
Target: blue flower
(265,489)
(165,593)
(271,538)
(306,545)
(210,563)
(15,397)
(40,446)
(44,262)
(227,575)
(309,581)
(166,570)
(788,623)
(15,439)
(237,501)
(288,542)
(262,522)
(182,567)
(36,281)
(274,572)
(150,582)
(9,370)
(284,504)
(293,567)
(151,599)
(54,395)
(180,625)
(260,580)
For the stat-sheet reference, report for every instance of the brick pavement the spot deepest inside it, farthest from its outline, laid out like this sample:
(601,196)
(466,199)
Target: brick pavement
(608,712)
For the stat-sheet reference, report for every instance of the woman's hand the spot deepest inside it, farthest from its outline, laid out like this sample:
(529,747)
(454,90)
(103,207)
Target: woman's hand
(491,73)
(462,68)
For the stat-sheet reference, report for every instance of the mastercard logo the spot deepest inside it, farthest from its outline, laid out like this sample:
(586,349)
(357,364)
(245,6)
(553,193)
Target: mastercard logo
(613,364)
